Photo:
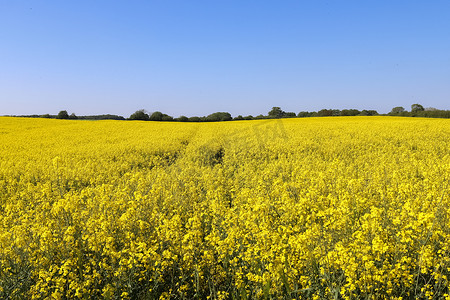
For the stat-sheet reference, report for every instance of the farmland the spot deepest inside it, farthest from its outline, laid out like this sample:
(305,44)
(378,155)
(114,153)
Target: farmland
(338,207)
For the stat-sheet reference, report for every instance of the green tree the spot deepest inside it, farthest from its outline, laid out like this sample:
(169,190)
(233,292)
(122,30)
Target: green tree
(219,116)
(289,115)
(182,119)
(139,115)
(156,116)
(369,113)
(335,112)
(276,112)
(304,114)
(397,110)
(416,108)
(325,113)
(195,119)
(350,112)
(62,115)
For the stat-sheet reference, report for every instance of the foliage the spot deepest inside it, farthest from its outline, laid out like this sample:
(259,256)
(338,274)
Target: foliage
(304,114)
(417,108)
(343,208)
(63,115)
(289,115)
(159,116)
(101,117)
(433,114)
(182,119)
(325,113)
(194,119)
(219,116)
(350,112)
(140,115)
(276,112)
(368,113)
(156,116)
(397,110)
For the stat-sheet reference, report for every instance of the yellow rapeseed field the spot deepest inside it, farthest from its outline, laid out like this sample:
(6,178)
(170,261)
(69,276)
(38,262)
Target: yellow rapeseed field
(314,208)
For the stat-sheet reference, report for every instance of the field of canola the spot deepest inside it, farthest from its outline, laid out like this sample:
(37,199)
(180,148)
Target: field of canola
(316,208)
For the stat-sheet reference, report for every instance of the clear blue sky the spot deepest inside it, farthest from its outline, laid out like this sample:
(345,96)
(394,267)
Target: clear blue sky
(198,57)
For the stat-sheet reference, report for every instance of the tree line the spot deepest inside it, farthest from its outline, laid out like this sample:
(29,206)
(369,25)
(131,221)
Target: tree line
(64,115)
(276,112)
(418,110)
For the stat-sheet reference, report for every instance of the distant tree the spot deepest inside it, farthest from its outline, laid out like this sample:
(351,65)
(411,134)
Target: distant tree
(139,115)
(239,118)
(325,113)
(226,116)
(109,117)
(434,114)
(405,114)
(156,116)
(369,113)
(289,115)
(276,112)
(73,116)
(259,117)
(335,112)
(101,117)
(416,107)
(249,117)
(194,119)
(219,116)
(159,116)
(397,110)
(350,112)
(303,114)
(182,119)
(63,115)
(46,116)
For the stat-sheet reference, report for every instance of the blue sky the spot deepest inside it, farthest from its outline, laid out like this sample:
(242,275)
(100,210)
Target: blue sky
(243,57)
